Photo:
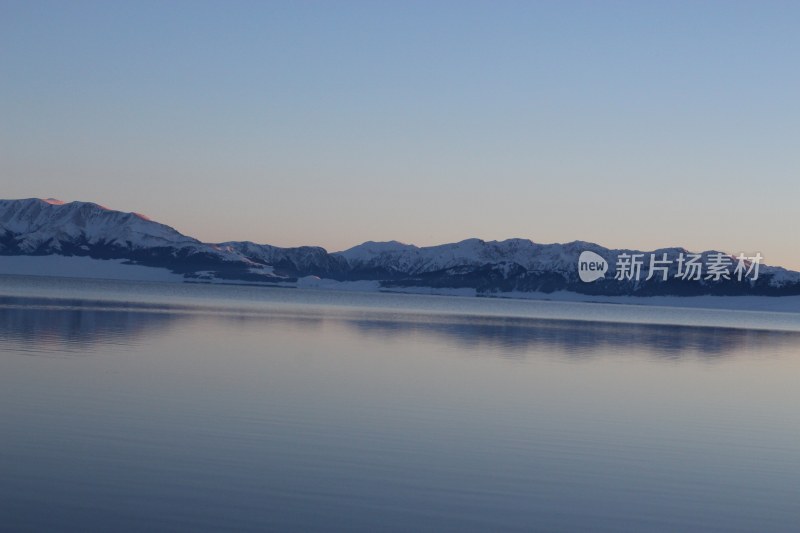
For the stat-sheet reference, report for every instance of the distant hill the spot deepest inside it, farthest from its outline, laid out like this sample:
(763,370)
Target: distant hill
(40,228)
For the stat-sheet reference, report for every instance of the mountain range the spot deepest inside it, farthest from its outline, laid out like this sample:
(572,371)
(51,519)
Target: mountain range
(49,227)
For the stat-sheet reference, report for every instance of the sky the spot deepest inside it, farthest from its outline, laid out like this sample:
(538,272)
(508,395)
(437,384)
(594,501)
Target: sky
(629,124)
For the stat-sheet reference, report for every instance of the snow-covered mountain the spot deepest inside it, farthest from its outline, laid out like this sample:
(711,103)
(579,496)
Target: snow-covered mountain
(43,225)
(529,266)
(407,259)
(35,227)
(50,227)
(300,261)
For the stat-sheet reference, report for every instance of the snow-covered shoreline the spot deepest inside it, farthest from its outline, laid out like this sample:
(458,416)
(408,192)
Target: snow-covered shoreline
(82,267)
(88,268)
(784,304)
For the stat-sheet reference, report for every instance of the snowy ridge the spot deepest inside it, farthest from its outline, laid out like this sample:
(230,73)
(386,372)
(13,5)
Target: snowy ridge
(532,257)
(303,260)
(39,221)
(411,259)
(36,227)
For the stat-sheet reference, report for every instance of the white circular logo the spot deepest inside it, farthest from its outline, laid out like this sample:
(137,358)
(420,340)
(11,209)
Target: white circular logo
(591,267)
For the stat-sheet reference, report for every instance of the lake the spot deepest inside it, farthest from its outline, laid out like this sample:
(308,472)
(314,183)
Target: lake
(131,406)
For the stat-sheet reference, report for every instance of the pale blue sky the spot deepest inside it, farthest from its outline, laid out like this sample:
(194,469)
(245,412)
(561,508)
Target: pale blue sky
(631,124)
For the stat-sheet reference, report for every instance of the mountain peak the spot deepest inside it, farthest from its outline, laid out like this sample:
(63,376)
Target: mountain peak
(39,223)
(56,202)
(36,226)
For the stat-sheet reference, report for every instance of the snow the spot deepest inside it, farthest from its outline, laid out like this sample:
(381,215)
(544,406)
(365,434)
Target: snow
(304,257)
(789,304)
(261,269)
(369,249)
(37,221)
(470,252)
(556,257)
(85,267)
(82,267)
(52,226)
(314,282)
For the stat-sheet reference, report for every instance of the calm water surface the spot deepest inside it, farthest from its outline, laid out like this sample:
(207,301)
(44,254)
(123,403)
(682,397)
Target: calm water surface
(157,407)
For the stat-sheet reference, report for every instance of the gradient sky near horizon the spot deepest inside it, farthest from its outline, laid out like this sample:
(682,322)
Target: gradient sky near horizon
(630,124)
